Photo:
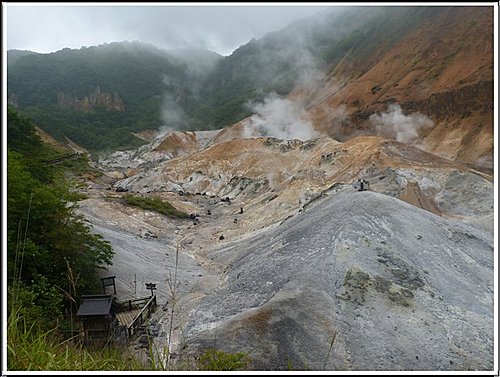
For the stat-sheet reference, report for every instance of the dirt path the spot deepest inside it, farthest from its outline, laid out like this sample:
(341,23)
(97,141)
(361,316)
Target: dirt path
(145,246)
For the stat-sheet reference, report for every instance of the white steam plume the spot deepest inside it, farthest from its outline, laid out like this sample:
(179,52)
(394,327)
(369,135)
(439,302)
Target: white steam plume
(279,117)
(395,124)
(171,113)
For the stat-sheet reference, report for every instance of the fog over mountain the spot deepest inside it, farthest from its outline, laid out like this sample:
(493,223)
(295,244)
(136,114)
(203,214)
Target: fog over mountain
(219,28)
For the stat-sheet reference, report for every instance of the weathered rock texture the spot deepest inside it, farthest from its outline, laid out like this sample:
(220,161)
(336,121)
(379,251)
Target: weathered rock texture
(402,289)
(111,102)
(443,69)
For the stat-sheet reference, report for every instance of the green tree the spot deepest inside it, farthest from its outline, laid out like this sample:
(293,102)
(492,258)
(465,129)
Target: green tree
(46,239)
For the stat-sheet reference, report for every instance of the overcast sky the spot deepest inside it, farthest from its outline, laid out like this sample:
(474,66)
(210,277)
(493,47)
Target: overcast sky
(220,28)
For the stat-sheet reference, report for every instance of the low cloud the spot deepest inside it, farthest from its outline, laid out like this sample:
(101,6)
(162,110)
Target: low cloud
(396,125)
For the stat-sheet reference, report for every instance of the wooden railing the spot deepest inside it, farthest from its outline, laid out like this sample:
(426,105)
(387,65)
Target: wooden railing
(138,303)
(143,314)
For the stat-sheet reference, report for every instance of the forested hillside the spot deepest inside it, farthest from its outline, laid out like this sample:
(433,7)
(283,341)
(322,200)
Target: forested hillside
(53,256)
(301,54)
(98,96)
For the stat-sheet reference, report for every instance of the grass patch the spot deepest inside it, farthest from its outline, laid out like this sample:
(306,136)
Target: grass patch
(218,360)
(31,349)
(155,204)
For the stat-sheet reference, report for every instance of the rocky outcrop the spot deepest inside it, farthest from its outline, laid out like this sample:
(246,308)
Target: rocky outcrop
(304,271)
(287,174)
(463,123)
(111,102)
(462,102)
(443,70)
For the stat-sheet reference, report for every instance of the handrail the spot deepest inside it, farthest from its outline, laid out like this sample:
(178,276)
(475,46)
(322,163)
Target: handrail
(138,320)
(135,300)
(127,304)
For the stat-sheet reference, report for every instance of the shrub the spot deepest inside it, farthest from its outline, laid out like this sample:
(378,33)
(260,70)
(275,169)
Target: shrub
(155,204)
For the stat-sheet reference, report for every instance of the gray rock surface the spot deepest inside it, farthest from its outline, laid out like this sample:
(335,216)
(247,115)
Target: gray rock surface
(402,289)
(147,254)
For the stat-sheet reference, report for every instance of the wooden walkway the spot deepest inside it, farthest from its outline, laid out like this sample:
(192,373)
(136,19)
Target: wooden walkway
(126,318)
(133,313)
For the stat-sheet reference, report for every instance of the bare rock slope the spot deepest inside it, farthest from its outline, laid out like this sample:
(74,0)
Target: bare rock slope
(443,69)
(283,255)
(400,287)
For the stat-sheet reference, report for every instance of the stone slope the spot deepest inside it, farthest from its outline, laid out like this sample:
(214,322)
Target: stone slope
(401,275)
(402,289)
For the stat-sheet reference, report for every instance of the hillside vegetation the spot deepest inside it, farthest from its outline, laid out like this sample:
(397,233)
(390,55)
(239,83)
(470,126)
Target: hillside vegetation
(351,61)
(53,256)
(155,204)
(51,89)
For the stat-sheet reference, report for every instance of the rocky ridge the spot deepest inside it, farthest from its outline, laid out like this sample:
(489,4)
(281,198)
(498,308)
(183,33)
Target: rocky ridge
(423,72)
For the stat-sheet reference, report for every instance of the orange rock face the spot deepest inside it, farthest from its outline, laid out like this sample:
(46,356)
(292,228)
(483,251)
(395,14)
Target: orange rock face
(443,69)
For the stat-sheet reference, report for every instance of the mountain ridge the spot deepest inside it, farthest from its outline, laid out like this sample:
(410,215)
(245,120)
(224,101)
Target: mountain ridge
(440,71)
(343,67)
